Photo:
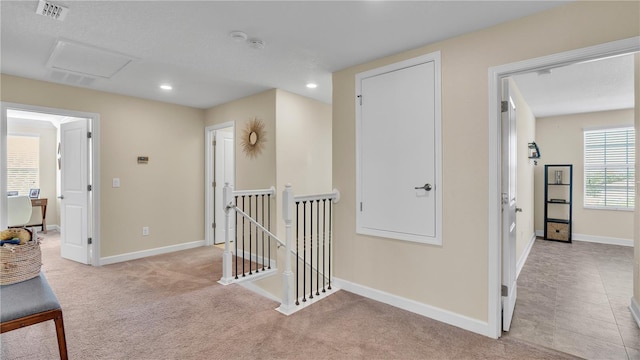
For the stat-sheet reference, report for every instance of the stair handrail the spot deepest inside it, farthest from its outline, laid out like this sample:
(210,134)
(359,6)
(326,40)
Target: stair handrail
(246,216)
(227,196)
(288,303)
(334,196)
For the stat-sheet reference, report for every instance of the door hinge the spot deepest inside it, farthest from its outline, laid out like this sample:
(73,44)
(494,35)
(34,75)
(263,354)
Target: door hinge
(214,143)
(89,187)
(89,135)
(90,241)
(360,99)
(505,290)
(504,106)
(213,225)
(360,206)
(213,184)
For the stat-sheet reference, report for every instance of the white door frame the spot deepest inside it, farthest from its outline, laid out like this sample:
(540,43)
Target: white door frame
(209,136)
(620,47)
(94,197)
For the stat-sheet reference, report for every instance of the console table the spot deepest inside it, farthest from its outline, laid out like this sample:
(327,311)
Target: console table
(43,205)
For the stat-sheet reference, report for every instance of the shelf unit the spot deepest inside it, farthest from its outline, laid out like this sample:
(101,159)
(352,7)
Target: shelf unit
(558,202)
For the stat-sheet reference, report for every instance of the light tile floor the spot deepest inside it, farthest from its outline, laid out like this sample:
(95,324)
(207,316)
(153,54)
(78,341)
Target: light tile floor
(575,298)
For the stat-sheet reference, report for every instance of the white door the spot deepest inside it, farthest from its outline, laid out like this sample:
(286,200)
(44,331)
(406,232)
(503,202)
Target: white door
(223,174)
(509,172)
(74,204)
(397,152)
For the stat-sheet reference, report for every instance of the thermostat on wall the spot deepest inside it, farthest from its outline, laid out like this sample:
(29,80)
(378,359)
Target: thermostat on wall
(143,159)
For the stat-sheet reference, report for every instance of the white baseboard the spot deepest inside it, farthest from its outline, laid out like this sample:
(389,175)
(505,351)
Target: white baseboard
(635,310)
(53,227)
(596,239)
(525,255)
(151,252)
(445,316)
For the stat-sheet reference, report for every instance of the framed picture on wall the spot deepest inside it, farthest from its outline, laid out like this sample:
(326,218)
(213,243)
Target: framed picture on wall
(34,193)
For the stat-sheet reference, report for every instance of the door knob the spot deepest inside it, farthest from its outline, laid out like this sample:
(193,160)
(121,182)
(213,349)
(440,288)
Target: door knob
(518,209)
(426,187)
(61,197)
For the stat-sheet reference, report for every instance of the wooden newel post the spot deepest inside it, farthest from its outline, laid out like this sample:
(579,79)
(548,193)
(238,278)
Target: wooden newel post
(288,301)
(227,198)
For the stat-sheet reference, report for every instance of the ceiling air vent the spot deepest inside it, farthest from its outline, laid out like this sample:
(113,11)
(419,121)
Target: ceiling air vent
(51,10)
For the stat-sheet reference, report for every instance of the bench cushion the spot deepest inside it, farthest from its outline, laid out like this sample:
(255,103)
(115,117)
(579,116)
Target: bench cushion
(26,298)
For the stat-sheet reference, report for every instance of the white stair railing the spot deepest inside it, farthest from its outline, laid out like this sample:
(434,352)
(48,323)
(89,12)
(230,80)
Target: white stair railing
(230,198)
(292,284)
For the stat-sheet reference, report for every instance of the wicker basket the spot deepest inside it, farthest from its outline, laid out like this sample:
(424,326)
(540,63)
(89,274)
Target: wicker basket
(19,262)
(558,231)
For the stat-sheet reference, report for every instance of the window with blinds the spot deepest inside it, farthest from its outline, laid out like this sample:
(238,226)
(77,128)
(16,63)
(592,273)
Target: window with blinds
(609,158)
(23,163)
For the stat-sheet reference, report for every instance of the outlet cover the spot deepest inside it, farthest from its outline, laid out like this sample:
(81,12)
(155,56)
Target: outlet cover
(145,231)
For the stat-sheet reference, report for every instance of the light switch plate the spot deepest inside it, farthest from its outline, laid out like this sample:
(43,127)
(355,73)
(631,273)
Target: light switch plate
(115,183)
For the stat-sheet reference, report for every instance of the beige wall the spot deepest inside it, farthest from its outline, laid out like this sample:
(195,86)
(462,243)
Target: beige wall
(300,156)
(304,146)
(526,127)
(258,172)
(454,276)
(561,141)
(166,194)
(48,168)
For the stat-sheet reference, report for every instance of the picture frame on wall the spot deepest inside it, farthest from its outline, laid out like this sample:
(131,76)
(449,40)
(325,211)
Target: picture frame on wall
(34,193)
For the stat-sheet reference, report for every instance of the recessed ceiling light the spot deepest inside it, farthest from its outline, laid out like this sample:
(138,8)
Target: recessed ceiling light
(166,87)
(312,85)
(238,36)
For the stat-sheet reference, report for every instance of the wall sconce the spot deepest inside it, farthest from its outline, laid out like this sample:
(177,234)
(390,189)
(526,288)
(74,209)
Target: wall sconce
(534,152)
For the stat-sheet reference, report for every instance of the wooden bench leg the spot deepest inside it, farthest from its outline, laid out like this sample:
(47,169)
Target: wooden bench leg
(29,320)
(62,341)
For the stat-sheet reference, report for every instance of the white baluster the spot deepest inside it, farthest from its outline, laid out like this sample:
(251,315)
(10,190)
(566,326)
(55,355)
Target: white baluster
(287,306)
(227,196)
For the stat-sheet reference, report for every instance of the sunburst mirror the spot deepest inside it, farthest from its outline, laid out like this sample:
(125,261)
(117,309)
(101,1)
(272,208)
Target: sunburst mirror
(253,137)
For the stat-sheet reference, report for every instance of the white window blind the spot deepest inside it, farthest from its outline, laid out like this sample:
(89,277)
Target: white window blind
(609,158)
(23,163)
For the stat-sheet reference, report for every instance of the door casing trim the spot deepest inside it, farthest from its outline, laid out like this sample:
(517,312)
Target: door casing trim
(94,178)
(496,73)
(209,136)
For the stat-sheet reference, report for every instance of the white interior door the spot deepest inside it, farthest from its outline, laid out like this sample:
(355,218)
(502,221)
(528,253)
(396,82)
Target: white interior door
(223,174)
(509,173)
(74,204)
(397,154)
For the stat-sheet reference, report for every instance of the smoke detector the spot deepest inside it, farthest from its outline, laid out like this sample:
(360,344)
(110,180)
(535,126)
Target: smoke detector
(51,10)
(256,43)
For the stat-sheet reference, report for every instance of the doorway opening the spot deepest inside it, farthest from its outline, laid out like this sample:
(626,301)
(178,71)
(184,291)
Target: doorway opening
(72,183)
(496,76)
(219,171)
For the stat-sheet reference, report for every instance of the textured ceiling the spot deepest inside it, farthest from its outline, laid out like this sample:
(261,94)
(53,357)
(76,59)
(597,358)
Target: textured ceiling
(187,43)
(592,86)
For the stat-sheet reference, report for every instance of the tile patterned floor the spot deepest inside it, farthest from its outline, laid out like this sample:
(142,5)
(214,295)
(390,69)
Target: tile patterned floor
(575,298)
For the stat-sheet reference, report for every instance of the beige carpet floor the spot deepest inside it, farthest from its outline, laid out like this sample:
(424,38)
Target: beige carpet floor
(171,307)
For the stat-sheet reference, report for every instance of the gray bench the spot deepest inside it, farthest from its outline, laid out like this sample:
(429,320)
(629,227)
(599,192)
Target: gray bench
(30,302)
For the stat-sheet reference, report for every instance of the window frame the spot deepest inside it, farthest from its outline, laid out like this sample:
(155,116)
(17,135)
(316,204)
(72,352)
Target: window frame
(629,165)
(27,135)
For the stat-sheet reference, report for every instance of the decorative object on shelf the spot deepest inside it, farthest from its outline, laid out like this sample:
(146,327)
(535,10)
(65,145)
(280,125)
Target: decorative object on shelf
(558,177)
(34,193)
(534,152)
(253,137)
(558,199)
